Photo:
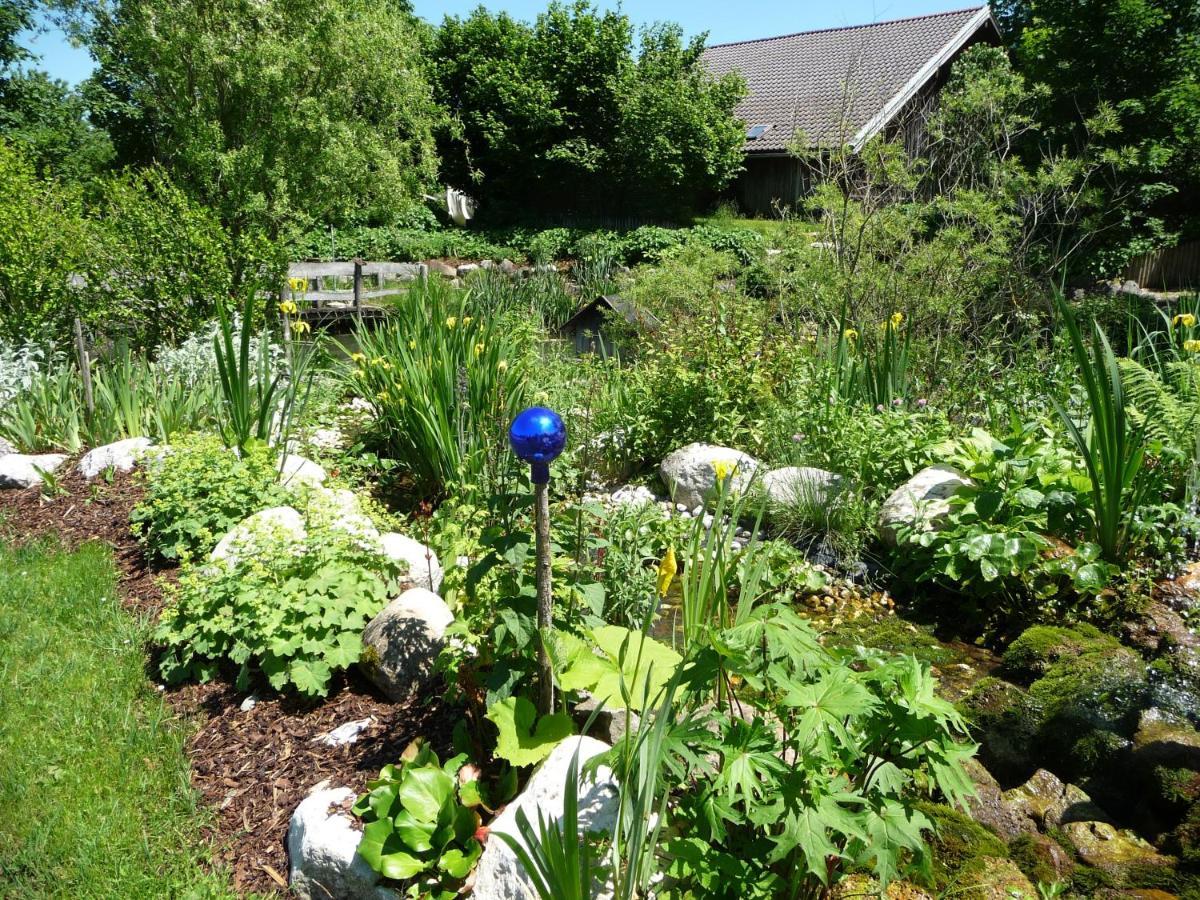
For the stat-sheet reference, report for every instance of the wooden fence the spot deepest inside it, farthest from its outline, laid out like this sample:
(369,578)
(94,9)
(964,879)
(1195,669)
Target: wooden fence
(1170,269)
(387,279)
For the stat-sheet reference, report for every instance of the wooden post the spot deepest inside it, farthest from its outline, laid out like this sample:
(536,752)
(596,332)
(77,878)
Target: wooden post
(85,369)
(358,288)
(541,501)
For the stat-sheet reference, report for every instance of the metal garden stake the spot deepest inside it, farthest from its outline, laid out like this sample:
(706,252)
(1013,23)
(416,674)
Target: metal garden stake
(537,436)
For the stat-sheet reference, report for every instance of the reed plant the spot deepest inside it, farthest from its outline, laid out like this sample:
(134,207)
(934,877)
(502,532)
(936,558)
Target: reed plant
(444,381)
(249,381)
(1113,446)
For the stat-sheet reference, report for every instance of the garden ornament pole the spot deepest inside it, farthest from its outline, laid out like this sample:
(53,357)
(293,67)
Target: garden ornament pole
(537,436)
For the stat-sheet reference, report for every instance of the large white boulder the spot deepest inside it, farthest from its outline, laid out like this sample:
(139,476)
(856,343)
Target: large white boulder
(322,847)
(500,875)
(121,456)
(296,470)
(401,644)
(794,485)
(690,472)
(424,569)
(922,502)
(243,539)
(20,470)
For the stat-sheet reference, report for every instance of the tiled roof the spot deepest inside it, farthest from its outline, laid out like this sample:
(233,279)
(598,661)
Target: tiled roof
(840,85)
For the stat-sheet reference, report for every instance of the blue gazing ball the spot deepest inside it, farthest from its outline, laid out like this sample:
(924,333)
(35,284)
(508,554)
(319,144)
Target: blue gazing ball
(537,435)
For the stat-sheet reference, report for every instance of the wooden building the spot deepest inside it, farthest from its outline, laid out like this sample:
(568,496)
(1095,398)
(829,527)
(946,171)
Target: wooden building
(838,87)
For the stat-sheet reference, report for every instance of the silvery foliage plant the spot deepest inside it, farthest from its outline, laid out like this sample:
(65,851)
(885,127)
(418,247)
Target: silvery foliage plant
(21,365)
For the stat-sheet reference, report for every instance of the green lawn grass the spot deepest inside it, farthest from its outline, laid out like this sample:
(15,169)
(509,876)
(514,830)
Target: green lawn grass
(94,792)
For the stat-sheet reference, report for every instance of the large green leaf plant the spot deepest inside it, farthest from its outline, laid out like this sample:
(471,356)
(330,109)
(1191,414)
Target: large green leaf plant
(420,823)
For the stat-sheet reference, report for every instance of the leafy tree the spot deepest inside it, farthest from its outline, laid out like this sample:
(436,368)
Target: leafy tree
(42,242)
(157,259)
(278,114)
(42,114)
(567,116)
(49,119)
(1141,60)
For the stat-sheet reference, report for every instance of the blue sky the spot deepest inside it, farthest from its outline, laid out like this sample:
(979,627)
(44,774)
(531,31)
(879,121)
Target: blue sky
(724,20)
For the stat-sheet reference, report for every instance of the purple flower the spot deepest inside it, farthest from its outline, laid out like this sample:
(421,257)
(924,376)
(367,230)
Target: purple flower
(797,437)
(922,403)
(899,401)
(879,407)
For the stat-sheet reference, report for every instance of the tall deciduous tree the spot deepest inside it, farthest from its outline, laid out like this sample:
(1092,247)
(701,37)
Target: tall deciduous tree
(571,115)
(279,113)
(41,115)
(1139,58)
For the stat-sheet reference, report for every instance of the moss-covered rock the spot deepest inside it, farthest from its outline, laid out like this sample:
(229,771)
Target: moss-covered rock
(1038,648)
(1042,858)
(1050,803)
(991,878)
(989,808)
(1121,854)
(1005,721)
(956,843)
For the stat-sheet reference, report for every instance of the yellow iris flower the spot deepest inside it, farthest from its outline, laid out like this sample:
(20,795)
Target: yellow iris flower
(723,469)
(301,327)
(1187,320)
(288,308)
(667,570)
(850,334)
(298,284)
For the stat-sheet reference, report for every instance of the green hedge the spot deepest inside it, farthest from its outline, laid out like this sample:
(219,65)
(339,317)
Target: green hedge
(410,244)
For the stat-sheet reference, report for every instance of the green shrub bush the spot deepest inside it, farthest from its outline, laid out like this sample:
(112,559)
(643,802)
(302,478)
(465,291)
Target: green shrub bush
(292,613)
(198,490)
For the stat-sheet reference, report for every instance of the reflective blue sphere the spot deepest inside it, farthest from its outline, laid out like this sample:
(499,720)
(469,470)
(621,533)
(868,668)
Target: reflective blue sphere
(537,435)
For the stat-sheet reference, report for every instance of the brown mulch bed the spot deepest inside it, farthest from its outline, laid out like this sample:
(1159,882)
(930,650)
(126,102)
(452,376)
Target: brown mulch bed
(89,511)
(251,766)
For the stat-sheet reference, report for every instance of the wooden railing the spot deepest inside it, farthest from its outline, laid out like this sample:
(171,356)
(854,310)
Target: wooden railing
(358,271)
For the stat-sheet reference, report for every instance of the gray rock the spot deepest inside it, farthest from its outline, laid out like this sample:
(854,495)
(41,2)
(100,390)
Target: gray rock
(121,456)
(322,846)
(631,495)
(401,644)
(802,484)
(297,470)
(345,734)
(6,448)
(690,476)
(424,570)
(248,534)
(19,470)
(507,266)
(922,502)
(466,269)
(437,267)
(500,875)
(610,723)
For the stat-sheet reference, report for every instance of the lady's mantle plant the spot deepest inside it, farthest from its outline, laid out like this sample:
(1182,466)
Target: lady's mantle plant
(292,610)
